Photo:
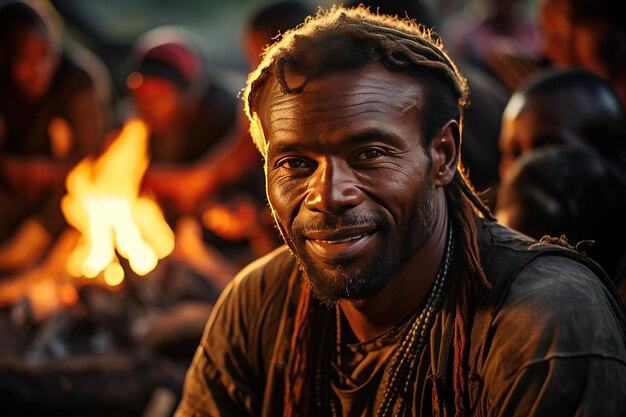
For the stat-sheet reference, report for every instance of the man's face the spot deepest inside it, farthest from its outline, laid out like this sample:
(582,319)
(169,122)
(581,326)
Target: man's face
(348,178)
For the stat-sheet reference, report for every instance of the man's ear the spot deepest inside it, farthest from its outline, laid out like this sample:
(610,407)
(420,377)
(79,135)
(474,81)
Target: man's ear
(445,153)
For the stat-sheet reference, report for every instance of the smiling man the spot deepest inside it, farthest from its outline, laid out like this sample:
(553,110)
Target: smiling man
(397,293)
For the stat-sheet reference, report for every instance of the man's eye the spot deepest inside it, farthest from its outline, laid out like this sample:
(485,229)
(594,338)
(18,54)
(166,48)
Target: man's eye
(293,163)
(369,154)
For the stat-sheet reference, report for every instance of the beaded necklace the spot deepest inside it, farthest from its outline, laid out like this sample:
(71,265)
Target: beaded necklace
(413,338)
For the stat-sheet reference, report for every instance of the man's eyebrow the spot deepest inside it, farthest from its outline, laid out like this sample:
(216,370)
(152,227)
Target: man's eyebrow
(372,136)
(281,148)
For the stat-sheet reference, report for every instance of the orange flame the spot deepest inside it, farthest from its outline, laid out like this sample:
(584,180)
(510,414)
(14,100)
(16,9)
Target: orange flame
(104,205)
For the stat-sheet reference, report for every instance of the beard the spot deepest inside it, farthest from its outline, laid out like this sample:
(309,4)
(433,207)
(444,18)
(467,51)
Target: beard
(358,279)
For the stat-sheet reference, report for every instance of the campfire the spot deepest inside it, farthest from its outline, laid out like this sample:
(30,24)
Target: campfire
(85,311)
(104,204)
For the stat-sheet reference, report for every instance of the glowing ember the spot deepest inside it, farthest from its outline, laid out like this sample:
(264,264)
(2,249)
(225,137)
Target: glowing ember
(103,203)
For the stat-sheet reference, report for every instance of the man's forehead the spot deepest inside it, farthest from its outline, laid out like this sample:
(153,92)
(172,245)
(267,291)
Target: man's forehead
(372,75)
(370,87)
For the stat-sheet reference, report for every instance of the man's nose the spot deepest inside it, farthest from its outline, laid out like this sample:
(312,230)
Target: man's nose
(333,188)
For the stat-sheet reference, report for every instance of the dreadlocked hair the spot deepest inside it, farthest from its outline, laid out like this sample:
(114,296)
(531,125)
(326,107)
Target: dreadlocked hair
(463,203)
(294,400)
(347,39)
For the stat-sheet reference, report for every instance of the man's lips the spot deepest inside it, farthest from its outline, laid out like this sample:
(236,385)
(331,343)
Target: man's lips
(340,240)
(340,243)
(339,234)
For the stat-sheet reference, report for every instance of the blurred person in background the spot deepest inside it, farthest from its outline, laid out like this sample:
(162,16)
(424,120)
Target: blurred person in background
(269,21)
(54,109)
(588,34)
(571,193)
(500,37)
(189,117)
(563,107)
(579,193)
(186,114)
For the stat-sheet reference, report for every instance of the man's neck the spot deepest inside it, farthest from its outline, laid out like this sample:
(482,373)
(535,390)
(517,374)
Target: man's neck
(406,291)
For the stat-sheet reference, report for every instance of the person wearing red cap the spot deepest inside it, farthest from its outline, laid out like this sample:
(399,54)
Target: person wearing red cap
(186,115)
(196,131)
(54,110)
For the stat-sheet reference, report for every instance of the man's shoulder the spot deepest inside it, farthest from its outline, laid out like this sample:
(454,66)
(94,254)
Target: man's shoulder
(494,235)
(559,279)
(550,281)
(554,285)
(562,310)
(515,262)
(505,253)
(555,320)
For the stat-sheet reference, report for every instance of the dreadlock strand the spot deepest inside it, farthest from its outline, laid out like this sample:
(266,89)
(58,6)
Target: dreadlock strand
(460,346)
(470,193)
(472,280)
(294,392)
(463,214)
